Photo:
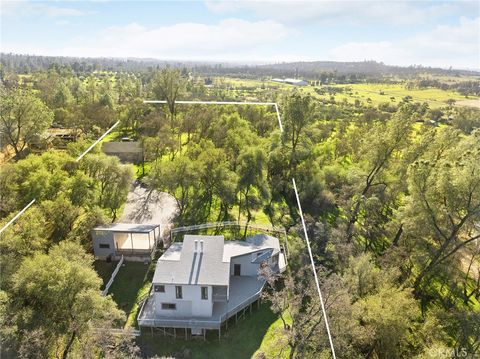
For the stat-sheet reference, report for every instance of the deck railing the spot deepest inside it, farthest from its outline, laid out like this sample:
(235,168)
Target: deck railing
(200,323)
(263,227)
(230,313)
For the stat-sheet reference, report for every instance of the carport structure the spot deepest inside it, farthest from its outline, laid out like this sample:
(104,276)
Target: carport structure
(127,239)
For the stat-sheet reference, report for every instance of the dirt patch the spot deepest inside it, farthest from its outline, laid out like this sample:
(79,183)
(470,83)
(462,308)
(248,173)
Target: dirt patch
(147,206)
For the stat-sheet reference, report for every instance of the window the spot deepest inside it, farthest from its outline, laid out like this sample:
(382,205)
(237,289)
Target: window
(104,245)
(204,292)
(237,269)
(178,291)
(275,260)
(159,288)
(169,306)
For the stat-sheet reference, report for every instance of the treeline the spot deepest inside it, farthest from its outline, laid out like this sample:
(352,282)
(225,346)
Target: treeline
(465,88)
(341,72)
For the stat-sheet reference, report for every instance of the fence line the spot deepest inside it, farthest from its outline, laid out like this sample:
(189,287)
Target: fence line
(206,323)
(264,227)
(114,274)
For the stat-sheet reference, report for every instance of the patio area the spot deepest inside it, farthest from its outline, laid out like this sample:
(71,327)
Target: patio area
(137,241)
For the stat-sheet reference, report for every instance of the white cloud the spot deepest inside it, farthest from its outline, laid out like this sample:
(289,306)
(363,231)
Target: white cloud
(230,39)
(443,46)
(400,12)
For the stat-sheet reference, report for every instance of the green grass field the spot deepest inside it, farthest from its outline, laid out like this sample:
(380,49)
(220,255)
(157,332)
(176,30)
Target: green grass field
(379,93)
(128,286)
(366,93)
(259,332)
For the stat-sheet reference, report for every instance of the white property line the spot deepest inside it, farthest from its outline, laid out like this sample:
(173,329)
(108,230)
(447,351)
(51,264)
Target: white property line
(78,159)
(313,269)
(112,277)
(17,215)
(296,194)
(97,141)
(225,103)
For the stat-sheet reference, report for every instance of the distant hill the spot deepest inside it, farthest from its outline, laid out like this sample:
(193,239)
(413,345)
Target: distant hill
(363,67)
(351,71)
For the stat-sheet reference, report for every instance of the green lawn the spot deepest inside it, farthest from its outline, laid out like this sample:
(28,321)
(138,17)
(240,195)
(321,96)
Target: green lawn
(260,331)
(127,286)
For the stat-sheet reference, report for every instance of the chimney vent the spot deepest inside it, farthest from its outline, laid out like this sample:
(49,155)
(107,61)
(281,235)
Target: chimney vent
(201,246)
(196,245)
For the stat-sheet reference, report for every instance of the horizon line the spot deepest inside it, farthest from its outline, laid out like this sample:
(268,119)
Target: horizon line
(242,63)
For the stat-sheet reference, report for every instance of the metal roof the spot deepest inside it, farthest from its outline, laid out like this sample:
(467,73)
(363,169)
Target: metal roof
(182,264)
(127,227)
(122,147)
(194,267)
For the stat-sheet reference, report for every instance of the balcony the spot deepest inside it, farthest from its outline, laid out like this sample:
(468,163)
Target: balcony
(243,292)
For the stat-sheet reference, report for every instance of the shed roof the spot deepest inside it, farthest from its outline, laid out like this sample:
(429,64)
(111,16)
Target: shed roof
(127,227)
(121,147)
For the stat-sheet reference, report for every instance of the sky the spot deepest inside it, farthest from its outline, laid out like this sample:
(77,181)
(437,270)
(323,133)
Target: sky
(429,33)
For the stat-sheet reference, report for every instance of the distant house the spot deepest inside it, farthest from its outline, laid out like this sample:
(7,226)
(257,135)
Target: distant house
(202,282)
(125,151)
(295,82)
(133,241)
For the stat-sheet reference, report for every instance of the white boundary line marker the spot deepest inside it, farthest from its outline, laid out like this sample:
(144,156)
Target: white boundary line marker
(17,215)
(78,159)
(213,102)
(97,141)
(296,195)
(314,269)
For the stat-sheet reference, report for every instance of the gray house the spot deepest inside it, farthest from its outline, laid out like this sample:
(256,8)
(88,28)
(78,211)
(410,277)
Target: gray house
(134,241)
(202,282)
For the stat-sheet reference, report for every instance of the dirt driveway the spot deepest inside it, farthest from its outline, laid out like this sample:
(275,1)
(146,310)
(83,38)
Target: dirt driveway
(149,206)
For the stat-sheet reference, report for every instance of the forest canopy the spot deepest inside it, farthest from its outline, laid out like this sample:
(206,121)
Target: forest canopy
(390,193)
